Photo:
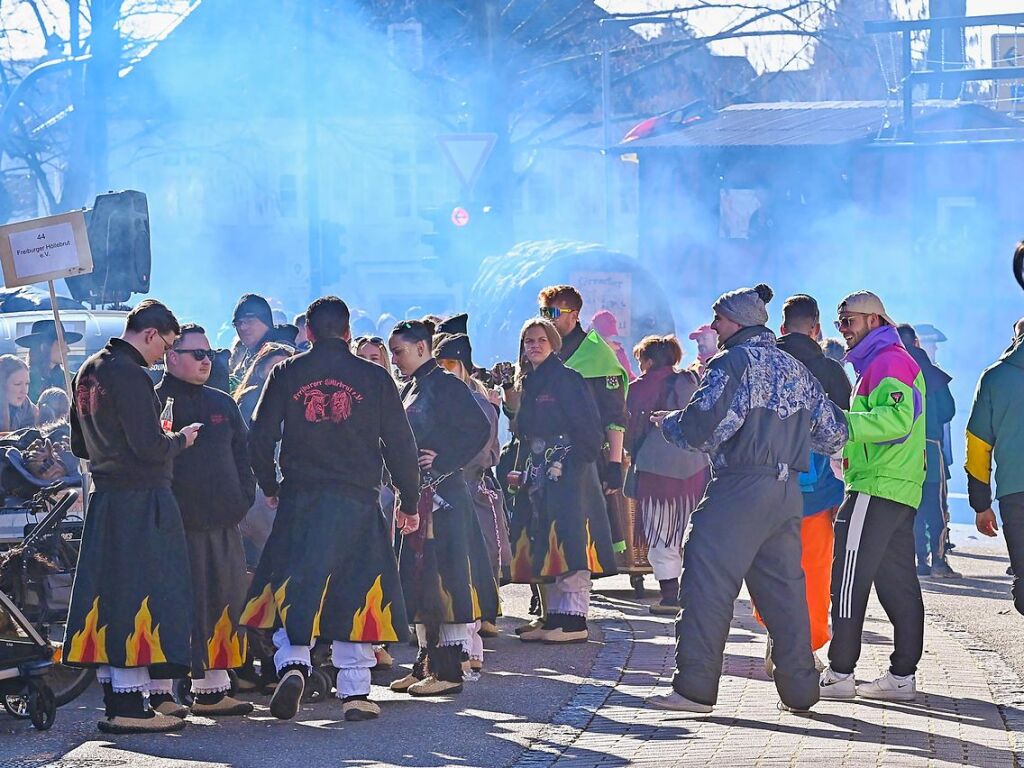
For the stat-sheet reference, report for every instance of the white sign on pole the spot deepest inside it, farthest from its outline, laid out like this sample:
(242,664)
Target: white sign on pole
(467,152)
(43,250)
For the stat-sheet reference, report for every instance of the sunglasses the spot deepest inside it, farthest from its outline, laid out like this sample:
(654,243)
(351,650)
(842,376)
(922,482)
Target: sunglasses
(199,354)
(553,313)
(360,340)
(847,320)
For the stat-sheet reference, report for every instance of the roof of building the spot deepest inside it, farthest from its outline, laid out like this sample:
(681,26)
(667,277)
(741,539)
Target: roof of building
(822,123)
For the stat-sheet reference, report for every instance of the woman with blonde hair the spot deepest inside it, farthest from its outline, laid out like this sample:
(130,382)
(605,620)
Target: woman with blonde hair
(251,386)
(16,409)
(560,533)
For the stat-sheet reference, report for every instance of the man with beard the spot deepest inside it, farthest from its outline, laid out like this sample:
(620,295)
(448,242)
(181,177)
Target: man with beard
(253,320)
(214,487)
(328,569)
(131,604)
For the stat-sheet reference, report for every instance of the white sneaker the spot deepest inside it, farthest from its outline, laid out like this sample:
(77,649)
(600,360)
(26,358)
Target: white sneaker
(890,687)
(832,685)
(819,665)
(769,663)
(679,703)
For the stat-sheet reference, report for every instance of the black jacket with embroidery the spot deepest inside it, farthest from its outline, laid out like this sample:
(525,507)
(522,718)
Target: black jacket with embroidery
(115,422)
(339,420)
(213,482)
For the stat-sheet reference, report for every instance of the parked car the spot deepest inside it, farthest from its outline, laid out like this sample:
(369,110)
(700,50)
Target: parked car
(96,327)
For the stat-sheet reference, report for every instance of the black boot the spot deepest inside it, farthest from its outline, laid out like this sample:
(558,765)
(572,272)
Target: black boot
(445,673)
(284,704)
(669,603)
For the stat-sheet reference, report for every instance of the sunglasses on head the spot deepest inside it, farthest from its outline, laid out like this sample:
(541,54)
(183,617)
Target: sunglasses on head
(553,313)
(360,340)
(199,354)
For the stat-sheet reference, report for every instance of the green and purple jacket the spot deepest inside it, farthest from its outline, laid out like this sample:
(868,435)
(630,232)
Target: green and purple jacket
(885,456)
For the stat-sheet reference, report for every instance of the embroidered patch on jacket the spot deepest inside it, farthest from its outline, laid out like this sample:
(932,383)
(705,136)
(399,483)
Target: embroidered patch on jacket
(218,418)
(612,382)
(897,397)
(327,400)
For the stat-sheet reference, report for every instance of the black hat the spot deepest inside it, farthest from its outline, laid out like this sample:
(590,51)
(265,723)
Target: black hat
(46,330)
(253,305)
(454,346)
(454,324)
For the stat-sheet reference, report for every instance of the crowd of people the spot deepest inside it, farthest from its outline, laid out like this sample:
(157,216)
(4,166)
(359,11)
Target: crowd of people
(313,496)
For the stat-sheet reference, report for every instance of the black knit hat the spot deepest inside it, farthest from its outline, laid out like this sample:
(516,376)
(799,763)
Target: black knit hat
(454,324)
(454,346)
(253,305)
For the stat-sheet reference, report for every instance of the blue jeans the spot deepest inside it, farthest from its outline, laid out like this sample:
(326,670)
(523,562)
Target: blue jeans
(929,523)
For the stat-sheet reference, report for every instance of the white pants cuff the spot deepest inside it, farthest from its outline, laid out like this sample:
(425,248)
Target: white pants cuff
(214,681)
(161,686)
(570,593)
(132,680)
(454,634)
(474,644)
(354,662)
(290,655)
(667,562)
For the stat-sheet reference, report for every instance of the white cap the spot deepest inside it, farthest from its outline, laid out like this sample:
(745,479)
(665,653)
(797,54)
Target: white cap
(865,303)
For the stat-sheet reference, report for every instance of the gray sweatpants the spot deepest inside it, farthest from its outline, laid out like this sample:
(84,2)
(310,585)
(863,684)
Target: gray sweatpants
(746,527)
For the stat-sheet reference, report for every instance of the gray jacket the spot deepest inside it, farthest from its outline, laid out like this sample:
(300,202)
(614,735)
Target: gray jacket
(758,407)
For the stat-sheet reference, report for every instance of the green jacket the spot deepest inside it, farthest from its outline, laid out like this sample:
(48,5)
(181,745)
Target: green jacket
(995,430)
(885,456)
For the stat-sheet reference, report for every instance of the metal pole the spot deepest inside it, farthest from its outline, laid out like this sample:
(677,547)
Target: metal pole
(908,86)
(75,34)
(606,130)
(83,466)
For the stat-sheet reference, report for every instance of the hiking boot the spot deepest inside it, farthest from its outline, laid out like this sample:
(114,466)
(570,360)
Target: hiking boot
(433,686)
(220,705)
(834,686)
(890,687)
(164,704)
(679,703)
(284,704)
(769,664)
(358,709)
(941,570)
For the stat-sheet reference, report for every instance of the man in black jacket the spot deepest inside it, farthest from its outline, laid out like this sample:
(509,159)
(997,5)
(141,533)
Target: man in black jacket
(939,410)
(214,487)
(328,569)
(253,320)
(131,605)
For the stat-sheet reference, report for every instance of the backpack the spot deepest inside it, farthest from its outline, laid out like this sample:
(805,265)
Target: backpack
(819,471)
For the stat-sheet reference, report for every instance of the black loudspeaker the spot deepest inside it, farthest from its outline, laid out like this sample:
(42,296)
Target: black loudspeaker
(118,227)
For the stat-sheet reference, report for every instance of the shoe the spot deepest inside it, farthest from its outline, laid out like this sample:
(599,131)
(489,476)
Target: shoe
(1009,570)
(679,703)
(665,608)
(284,704)
(488,629)
(225,706)
(156,723)
(924,570)
(563,636)
(433,686)
(360,709)
(950,546)
(941,570)
(795,710)
(832,685)
(467,666)
(164,704)
(476,665)
(889,687)
(530,626)
(402,685)
(769,664)
(819,665)
(536,635)
(384,659)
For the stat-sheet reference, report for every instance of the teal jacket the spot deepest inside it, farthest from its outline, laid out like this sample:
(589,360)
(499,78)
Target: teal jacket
(885,456)
(995,430)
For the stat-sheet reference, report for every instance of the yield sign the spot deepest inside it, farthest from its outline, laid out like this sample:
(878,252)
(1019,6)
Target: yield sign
(467,152)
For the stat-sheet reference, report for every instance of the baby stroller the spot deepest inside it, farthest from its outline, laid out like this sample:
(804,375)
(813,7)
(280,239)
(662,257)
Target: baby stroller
(25,659)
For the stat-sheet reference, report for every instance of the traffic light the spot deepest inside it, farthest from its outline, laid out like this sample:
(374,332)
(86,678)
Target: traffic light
(461,235)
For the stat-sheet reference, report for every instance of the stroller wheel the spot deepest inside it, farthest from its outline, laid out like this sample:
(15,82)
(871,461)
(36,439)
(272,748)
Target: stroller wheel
(318,687)
(16,705)
(42,706)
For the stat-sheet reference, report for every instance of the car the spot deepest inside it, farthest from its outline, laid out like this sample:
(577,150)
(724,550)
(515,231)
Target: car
(96,327)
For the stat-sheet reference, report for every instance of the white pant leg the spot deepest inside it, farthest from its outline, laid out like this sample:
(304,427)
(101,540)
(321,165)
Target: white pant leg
(421,635)
(552,598)
(288,654)
(667,562)
(453,634)
(132,680)
(103,674)
(214,681)
(354,662)
(474,643)
(573,593)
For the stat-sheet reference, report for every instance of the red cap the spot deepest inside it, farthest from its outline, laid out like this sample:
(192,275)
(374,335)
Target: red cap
(701,331)
(605,323)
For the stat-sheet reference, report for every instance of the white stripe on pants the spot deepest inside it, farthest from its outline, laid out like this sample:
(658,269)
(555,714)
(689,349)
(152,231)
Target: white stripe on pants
(569,593)
(860,508)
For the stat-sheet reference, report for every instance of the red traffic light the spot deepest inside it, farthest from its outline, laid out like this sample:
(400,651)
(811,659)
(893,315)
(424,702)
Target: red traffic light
(460,216)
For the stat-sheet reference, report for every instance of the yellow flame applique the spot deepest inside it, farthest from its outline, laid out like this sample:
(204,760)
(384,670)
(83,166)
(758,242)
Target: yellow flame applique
(521,566)
(142,647)
(89,645)
(446,601)
(474,596)
(279,598)
(372,622)
(555,562)
(260,611)
(320,610)
(593,564)
(224,649)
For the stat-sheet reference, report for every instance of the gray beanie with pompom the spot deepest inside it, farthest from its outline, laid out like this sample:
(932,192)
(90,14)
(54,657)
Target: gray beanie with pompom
(745,306)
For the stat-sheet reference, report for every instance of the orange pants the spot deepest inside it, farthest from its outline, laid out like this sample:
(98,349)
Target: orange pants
(816,539)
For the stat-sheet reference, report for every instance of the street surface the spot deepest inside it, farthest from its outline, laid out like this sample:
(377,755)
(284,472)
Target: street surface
(584,705)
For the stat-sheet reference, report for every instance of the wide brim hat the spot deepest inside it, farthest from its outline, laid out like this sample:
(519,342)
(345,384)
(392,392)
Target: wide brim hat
(46,330)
